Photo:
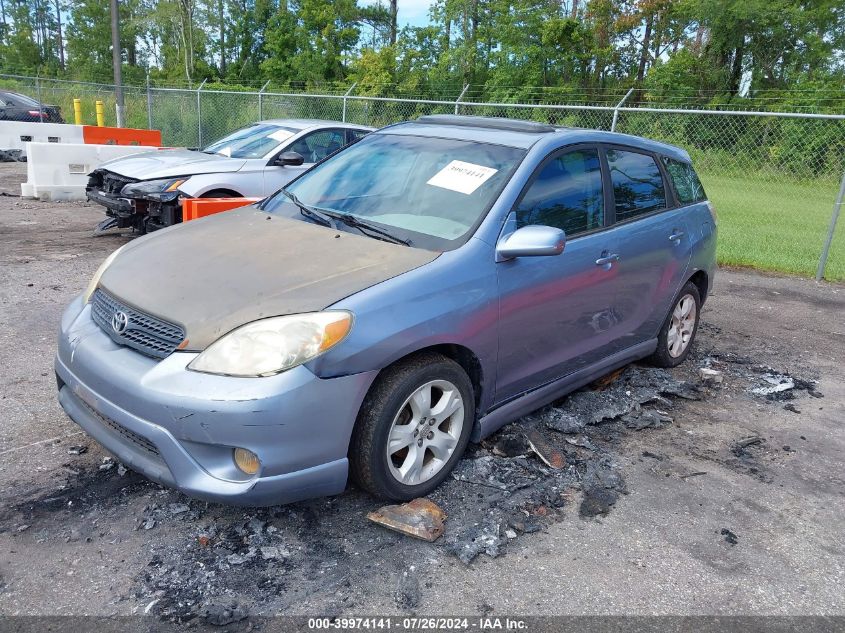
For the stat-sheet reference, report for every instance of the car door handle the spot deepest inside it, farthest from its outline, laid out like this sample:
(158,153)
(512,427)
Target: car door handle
(607,259)
(676,236)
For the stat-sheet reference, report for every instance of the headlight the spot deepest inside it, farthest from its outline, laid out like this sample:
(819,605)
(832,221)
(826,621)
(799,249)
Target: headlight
(95,280)
(271,346)
(152,186)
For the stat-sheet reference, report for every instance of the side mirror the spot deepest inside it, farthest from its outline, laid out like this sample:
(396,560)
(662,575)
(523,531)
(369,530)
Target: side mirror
(531,241)
(294,159)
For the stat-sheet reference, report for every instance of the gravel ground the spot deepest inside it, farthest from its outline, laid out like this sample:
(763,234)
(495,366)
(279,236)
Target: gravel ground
(706,499)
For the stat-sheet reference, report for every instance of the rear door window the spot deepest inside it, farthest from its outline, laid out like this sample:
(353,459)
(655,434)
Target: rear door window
(687,185)
(567,194)
(637,184)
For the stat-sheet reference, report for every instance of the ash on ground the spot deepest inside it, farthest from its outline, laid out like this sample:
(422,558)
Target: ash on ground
(501,491)
(218,565)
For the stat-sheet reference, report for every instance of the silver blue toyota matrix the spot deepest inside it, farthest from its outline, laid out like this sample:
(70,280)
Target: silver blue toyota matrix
(411,293)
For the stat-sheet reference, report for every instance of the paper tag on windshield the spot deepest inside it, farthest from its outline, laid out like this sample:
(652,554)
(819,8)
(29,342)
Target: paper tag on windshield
(280,135)
(462,177)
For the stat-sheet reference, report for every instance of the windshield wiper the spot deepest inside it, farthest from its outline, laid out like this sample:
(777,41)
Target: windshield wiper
(331,219)
(308,212)
(368,229)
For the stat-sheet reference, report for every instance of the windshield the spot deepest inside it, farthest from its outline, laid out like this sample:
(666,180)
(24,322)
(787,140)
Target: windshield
(429,191)
(255,141)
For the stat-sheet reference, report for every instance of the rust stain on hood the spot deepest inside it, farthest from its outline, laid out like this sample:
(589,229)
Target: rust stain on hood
(215,274)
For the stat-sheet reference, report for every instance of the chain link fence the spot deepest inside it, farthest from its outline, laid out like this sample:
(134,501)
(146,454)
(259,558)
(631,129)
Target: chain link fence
(773,177)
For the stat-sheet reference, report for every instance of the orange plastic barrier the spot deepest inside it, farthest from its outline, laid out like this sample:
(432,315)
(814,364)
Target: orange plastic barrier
(195,208)
(93,135)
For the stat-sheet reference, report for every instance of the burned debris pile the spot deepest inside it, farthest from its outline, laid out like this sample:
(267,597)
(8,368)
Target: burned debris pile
(638,397)
(228,563)
(520,479)
(225,561)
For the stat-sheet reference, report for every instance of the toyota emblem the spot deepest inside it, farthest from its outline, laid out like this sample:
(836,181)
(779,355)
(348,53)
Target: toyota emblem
(119,321)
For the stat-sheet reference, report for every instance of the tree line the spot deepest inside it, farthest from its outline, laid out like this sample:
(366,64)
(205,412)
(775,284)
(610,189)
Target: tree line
(784,52)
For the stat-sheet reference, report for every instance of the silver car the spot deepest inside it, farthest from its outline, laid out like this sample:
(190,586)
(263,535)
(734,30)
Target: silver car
(413,292)
(144,191)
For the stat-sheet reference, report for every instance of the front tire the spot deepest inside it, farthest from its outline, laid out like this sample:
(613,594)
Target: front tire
(221,193)
(678,332)
(413,427)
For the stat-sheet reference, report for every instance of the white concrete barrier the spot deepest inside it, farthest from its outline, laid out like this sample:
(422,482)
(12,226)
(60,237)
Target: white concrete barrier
(15,134)
(60,172)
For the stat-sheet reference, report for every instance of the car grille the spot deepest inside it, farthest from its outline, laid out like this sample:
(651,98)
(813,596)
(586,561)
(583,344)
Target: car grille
(138,440)
(147,334)
(114,183)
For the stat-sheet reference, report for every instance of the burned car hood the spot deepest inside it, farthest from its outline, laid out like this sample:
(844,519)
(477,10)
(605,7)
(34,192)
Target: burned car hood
(215,274)
(166,163)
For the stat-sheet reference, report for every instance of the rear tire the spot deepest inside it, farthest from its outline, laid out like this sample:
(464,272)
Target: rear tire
(400,450)
(678,332)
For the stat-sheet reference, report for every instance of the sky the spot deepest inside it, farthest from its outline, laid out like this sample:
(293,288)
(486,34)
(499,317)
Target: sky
(413,12)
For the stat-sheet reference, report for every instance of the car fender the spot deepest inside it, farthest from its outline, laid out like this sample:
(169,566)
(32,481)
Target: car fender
(239,182)
(452,300)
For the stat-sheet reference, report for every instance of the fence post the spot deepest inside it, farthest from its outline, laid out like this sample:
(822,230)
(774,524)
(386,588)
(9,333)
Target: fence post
(616,110)
(346,97)
(260,100)
(461,96)
(199,115)
(837,207)
(38,93)
(149,105)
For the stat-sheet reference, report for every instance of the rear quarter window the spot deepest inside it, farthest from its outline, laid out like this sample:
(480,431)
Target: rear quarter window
(687,185)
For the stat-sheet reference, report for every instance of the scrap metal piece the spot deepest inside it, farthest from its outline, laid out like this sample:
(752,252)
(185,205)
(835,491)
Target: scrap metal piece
(741,446)
(551,456)
(420,518)
(775,383)
(484,537)
(604,382)
(104,226)
(710,376)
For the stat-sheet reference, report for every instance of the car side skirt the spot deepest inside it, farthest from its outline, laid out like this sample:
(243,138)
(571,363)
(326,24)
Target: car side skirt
(532,400)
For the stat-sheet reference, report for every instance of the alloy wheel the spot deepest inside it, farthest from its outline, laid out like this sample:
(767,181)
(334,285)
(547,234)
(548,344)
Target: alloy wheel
(425,432)
(681,326)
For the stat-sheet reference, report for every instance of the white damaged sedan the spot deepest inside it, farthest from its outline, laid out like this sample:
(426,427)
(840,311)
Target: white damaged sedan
(145,191)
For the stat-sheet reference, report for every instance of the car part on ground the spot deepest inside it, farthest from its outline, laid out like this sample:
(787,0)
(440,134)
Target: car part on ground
(420,518)
(483,269)
(146,193)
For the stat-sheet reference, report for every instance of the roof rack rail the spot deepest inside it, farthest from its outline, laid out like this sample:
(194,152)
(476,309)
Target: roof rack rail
(489,122)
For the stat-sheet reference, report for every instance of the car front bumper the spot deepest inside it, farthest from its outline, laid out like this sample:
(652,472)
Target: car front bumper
(148,212)
(112,203)
(179,427)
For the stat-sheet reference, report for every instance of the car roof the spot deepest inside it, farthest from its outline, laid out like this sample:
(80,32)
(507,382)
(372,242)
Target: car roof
(521,134)
(307,124)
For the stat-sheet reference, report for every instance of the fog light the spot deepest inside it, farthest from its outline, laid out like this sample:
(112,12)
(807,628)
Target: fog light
(246,460)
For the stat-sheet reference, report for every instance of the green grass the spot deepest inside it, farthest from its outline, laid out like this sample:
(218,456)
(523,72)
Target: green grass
(778,226)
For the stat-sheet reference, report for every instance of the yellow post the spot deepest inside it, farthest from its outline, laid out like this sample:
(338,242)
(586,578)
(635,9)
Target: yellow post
(101,114)
(77,111)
